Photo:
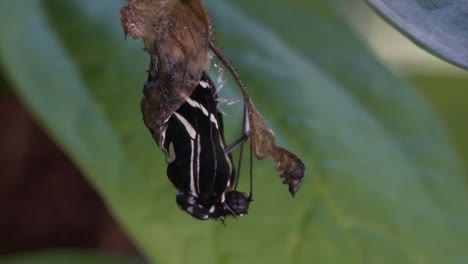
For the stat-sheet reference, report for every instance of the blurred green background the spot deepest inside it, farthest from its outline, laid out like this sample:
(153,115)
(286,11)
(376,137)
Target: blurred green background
(380,124)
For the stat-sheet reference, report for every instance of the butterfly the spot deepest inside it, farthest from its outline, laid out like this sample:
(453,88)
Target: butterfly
(180,109)
(198,163)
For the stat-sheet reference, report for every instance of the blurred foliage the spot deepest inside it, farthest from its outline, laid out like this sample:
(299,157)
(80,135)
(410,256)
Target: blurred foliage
(383,181)
(67,256)
(449,95)
(3,85)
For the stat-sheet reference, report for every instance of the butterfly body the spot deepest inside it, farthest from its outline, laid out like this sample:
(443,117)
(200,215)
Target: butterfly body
(198,165)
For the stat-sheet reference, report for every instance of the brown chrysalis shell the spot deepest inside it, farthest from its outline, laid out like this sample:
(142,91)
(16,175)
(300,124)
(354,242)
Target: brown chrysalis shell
(176,34)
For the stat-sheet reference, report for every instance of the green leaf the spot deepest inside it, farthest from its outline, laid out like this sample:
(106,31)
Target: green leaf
(66,256)
(438,26)
(383,183)
(450,103)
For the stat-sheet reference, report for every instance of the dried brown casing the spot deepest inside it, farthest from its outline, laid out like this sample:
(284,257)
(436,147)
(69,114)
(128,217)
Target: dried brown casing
(176,34)
(264,144)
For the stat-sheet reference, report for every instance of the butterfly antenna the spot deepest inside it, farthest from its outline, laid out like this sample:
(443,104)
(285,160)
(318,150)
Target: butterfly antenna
(251,172)
(241,150)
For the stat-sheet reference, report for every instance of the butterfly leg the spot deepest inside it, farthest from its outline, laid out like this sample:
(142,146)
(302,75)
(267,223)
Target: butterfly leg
(237,143)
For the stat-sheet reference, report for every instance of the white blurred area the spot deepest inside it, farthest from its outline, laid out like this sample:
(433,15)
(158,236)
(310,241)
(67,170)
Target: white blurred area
(392,46)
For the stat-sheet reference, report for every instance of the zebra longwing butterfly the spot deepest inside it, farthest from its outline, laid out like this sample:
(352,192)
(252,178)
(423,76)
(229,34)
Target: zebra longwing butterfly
(198,164)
